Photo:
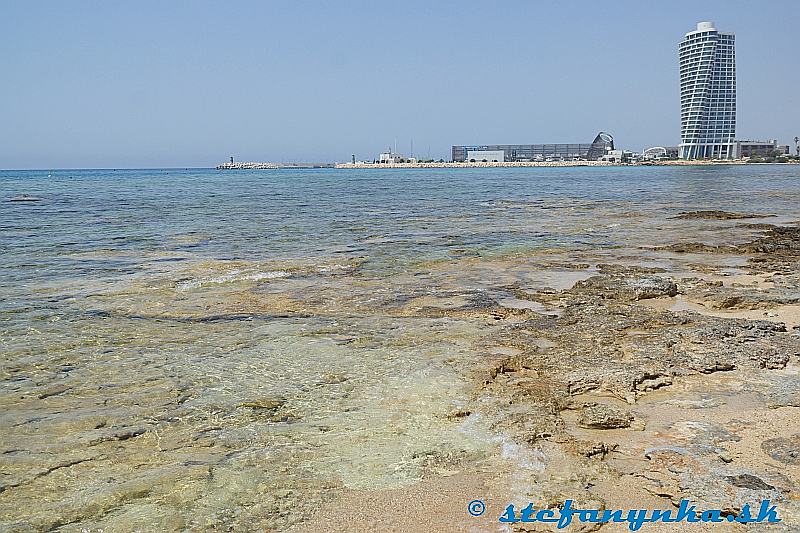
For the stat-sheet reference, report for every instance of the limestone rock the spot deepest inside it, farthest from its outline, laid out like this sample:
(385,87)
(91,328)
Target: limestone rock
(749,481)
(602,416)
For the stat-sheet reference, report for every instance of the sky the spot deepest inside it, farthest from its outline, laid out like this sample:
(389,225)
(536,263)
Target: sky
(113,84)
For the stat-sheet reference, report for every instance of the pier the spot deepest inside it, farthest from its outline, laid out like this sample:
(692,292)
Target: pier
(238,165)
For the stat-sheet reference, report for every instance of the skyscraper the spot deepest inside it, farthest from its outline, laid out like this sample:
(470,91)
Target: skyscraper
(708,93)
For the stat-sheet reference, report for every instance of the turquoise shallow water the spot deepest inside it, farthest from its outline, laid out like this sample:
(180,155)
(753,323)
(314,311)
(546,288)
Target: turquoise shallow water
(226,337)
(388,215)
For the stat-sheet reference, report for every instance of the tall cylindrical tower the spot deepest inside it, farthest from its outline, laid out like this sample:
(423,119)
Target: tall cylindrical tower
(708,93)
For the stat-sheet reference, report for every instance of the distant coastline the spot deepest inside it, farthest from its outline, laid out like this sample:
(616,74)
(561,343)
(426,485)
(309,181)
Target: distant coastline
(507,164)
(549,164)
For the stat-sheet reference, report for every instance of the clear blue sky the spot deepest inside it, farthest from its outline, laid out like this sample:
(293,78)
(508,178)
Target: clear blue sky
(189,83)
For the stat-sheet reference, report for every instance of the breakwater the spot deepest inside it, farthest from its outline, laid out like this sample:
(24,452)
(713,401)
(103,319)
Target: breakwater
(271,166)
(246,166)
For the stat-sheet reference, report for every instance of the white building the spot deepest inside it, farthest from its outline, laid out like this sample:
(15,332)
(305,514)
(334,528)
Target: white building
(656,152)
(391,158)
(491,156)
(760,148)
(613,156)
(708,93)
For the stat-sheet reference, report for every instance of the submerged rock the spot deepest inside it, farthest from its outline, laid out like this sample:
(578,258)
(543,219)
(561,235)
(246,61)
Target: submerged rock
(781,240)
(334,378)
(24,198)
(696,247)
(776,250)
(274,410)
(270,404)
(718,215)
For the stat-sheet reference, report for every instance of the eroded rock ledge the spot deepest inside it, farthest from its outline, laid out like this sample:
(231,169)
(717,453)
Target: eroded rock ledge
(574,373)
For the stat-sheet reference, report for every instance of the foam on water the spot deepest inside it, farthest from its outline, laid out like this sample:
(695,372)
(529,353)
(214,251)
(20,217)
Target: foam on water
(234,276)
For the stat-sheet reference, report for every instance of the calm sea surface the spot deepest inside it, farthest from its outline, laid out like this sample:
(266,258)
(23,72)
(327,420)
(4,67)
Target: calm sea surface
(273,214)
(199,349)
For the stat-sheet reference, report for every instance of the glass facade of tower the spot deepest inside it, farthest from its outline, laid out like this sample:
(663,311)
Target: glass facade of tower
(708,94)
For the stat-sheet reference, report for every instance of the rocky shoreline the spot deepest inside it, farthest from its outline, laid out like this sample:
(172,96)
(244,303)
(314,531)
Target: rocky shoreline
(671,403)
(617,377)
(638,387)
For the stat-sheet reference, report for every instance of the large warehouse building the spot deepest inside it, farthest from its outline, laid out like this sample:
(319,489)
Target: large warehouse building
(603,143)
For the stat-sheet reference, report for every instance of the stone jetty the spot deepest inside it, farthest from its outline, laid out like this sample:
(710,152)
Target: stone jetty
(254,166)
(239,165)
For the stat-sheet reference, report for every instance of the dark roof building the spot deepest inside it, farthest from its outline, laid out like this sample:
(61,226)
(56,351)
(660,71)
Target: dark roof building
(601,144)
